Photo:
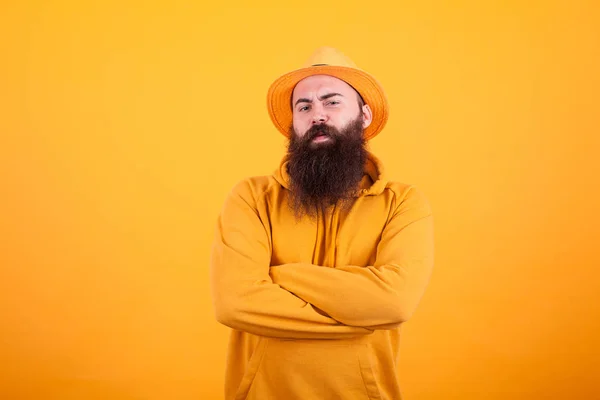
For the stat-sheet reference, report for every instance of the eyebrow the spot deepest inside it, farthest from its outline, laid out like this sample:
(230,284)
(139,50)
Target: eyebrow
(324,97)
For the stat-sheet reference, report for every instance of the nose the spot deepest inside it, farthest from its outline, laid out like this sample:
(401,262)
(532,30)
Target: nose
(319,116)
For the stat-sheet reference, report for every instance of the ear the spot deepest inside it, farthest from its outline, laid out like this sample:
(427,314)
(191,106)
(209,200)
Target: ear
(367,115)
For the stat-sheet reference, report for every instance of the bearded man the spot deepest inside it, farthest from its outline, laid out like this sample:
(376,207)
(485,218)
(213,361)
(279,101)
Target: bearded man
(316,267)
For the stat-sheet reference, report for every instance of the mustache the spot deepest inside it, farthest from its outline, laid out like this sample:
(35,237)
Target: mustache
(318,130)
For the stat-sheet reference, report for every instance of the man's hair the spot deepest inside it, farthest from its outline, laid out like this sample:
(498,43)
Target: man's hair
(361,102)
(329,173)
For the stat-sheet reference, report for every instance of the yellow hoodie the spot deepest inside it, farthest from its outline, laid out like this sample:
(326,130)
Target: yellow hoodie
(316,306)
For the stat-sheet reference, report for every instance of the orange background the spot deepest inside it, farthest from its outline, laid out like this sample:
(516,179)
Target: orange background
(124,125)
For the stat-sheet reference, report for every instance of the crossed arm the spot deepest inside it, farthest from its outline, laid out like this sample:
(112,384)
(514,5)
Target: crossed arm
(313,302)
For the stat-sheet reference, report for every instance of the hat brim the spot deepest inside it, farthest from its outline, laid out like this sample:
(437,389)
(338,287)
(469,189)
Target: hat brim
(280,94)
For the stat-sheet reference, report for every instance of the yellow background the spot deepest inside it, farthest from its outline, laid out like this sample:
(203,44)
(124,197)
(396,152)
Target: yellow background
(124,124)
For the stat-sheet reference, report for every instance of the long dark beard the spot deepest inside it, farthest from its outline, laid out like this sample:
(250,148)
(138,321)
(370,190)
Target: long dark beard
(327,173)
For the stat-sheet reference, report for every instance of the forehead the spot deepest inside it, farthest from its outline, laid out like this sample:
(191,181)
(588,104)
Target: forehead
(320,84)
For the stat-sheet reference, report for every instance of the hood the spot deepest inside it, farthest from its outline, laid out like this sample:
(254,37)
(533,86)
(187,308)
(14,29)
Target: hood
(373,181)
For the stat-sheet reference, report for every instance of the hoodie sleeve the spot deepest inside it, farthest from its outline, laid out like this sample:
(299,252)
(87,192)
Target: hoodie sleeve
(244,296)
(380,296)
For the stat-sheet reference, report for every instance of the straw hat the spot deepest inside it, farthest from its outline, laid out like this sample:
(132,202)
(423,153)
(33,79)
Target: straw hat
(327,61)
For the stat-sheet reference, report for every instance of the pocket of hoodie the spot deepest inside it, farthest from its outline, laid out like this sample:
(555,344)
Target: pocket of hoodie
(251,369)
(313,369)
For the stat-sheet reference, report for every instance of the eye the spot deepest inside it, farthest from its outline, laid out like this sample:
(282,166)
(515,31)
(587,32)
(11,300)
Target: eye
(333,103)
(303,108)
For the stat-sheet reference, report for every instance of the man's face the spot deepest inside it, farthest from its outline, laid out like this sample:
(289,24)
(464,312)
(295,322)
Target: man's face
(324,99)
